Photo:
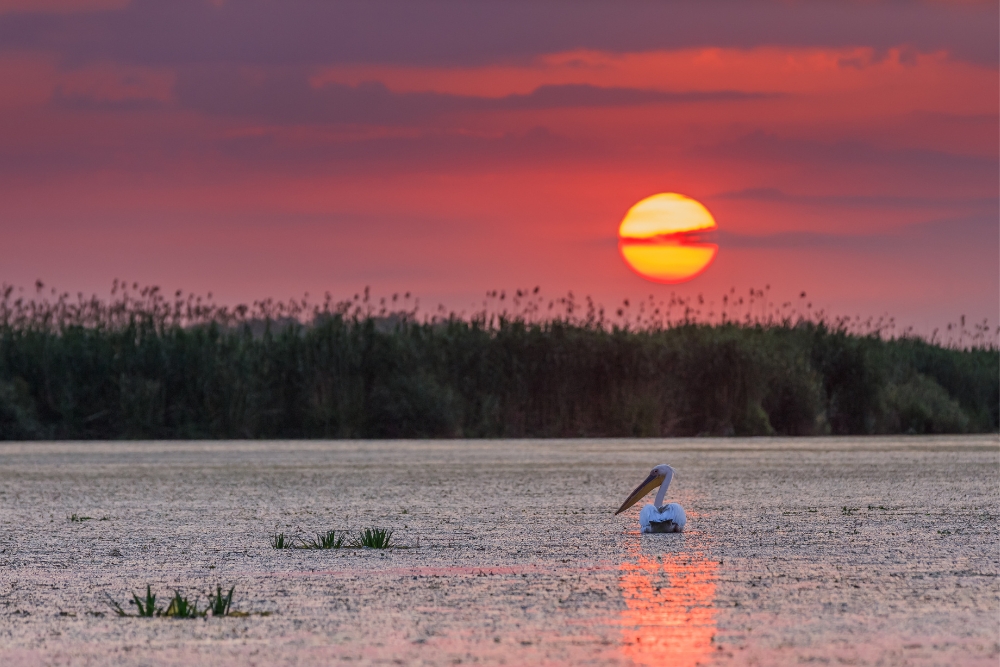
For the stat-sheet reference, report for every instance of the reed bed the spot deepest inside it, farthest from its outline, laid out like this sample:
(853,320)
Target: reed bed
(140,365)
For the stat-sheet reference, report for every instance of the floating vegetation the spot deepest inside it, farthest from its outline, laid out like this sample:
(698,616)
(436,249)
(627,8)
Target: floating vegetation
(180,606)
(76,518)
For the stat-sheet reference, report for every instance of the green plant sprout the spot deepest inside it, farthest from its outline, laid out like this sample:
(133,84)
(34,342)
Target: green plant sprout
(181,607)
(375,538)
(218,603)
(332,539)
(279,541)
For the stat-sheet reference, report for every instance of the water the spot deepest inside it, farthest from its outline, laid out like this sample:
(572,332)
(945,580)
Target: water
(876,551)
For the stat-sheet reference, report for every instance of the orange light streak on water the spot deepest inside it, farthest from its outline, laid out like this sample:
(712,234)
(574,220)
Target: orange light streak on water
(669,617)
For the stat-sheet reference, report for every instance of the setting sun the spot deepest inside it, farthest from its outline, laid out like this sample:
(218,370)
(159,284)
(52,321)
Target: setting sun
(663,238)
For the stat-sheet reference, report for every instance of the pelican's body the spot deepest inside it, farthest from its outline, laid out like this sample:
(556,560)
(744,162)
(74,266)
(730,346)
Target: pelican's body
(657,517)
(667,519)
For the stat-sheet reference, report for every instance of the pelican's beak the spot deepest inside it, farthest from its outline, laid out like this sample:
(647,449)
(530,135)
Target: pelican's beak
(648,485)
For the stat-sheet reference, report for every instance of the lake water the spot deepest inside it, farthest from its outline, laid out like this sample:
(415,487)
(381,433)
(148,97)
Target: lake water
(861,551)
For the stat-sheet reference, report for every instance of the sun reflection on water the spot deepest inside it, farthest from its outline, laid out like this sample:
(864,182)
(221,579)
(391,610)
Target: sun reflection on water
(669,617)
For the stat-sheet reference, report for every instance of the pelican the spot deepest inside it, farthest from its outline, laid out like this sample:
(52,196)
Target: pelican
(657,518)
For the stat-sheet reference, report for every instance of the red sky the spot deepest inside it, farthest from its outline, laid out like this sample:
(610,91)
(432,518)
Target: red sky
(263,148)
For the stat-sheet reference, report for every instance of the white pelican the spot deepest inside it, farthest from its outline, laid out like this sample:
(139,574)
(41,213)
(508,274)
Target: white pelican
(657,518)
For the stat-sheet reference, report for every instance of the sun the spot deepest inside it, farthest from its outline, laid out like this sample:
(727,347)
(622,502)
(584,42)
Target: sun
(665,238)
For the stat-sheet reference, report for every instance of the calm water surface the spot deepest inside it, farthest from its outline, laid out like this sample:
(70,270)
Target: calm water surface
(879,551)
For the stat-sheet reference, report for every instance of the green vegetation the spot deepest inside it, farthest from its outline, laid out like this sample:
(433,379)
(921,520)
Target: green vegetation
(141,366)
(150,603)
(332,539)
(146,606)
(279,541)
(180,606)
(375,538)
(115,607)
(218,603)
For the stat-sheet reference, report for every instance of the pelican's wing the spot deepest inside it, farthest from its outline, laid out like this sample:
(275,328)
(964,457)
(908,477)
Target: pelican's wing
(668,519)
(674,512)
(648,514)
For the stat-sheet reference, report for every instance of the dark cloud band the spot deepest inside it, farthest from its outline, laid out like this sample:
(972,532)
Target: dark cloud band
(312,32)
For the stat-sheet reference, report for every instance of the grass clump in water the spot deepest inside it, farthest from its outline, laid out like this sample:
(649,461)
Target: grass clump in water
(332,539)
(280,541)
(115,607)
(149,608)
(372,538)
(181,607)
(76,518)
(375,538)
(218,603)
(146,606)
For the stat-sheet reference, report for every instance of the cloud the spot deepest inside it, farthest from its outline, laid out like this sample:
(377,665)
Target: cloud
(762,147)
(59,6)
(583,95)
(288,97)
(430,151)
(165,156)
(306,32)
(969,231)
(64,100)
(859,201)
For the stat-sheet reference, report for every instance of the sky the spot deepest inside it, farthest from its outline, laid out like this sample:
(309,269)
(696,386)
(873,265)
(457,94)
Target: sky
(260,148)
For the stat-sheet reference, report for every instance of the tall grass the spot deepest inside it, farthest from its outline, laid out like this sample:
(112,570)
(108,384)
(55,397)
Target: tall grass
(144,366)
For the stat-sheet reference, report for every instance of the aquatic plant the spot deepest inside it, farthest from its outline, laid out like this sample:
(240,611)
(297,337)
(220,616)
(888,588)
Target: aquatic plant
(115,607)
(218,603)
(146,607)
(374,538)
(332,539)
(279,541)
(181,607)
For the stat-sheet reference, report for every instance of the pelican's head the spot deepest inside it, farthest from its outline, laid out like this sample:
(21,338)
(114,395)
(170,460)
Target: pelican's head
(656,477)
